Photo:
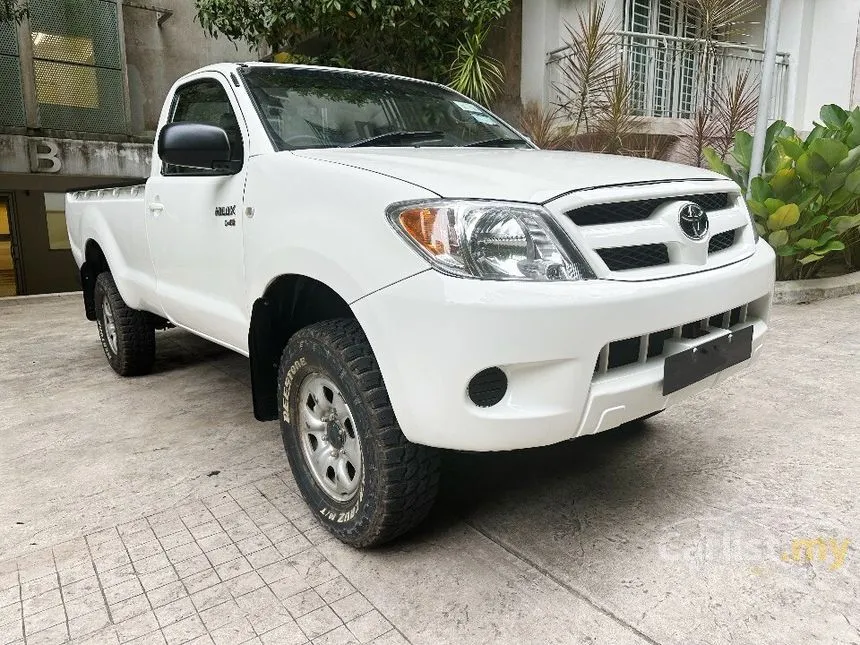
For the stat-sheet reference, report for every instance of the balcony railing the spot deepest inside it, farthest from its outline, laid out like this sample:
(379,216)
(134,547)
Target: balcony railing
(673,77)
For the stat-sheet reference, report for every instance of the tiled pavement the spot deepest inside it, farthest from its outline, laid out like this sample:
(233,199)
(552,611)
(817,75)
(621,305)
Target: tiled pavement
(238,567)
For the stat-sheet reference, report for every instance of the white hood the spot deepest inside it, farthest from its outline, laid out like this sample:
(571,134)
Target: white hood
(506,174)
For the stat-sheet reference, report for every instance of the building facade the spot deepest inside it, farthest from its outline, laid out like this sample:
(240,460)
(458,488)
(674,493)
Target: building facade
(81,87)
(818,60)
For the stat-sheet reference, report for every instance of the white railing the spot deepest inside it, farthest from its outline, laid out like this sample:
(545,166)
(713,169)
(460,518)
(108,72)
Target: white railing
(672,77)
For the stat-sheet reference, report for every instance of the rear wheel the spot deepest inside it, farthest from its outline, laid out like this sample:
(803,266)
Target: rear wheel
(363,479)
(127,335)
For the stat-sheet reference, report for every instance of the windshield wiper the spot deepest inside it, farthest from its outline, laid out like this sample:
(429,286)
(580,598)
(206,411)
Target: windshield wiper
(399,136)
(496,141)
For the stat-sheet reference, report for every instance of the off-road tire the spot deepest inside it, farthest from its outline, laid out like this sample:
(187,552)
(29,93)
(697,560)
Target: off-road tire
(135,333)
(399,479)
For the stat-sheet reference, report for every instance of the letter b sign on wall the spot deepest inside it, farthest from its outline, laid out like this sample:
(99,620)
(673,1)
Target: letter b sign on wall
(45,156)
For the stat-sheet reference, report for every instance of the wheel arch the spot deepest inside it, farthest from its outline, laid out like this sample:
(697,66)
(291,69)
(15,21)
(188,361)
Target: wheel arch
(289,303)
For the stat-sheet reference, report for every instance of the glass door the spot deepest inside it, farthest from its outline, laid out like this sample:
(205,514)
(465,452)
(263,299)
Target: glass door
(8,284)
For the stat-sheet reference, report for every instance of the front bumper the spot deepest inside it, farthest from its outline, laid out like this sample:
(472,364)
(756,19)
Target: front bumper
(432,333)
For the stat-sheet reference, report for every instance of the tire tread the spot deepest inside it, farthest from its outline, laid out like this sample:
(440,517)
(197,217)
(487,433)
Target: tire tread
(135,331)
(409,473)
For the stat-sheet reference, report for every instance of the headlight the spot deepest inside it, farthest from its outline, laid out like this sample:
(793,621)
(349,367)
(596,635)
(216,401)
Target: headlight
(489,240)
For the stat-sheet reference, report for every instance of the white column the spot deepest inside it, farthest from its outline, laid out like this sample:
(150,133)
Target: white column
(768,71)
(541,23)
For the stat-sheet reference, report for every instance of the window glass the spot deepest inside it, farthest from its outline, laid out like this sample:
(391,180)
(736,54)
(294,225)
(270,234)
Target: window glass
(206,102)
(8,286)
(55,216)
(319,108)
(4,219)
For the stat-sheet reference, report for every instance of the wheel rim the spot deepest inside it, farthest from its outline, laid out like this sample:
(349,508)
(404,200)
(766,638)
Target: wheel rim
(110,326)
(327,433)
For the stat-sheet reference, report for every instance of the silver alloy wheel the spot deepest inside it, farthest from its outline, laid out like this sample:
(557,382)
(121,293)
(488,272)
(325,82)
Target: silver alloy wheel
(110,326)
(328,437)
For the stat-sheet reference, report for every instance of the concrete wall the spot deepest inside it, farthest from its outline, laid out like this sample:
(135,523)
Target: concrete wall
(157,56)
(821,36)
(51,157)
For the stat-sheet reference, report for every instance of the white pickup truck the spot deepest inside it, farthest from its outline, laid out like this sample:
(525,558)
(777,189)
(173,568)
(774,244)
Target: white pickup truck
(406,272)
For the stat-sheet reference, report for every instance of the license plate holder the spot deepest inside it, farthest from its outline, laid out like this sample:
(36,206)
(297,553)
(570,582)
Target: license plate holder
(706,359)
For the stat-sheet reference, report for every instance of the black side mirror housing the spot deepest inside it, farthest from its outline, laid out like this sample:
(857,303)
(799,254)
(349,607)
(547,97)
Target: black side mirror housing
(195,145)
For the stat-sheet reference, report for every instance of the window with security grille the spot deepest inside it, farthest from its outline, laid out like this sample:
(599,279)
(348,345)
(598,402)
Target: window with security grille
(662,68)
(11,96)
(77,65)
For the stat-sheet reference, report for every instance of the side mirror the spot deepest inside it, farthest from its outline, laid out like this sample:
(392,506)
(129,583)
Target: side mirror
(195,145)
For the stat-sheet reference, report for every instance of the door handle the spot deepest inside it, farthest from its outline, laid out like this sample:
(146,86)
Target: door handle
(156,208)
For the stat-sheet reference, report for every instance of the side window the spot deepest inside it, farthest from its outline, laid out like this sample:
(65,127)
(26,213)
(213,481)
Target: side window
(206,101)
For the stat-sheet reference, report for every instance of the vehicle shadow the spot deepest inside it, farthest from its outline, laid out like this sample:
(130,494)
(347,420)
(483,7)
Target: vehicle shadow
(590,471)
(179,349)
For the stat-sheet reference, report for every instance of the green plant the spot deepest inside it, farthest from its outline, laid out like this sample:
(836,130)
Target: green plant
(806,201)
(732,109)
(473,73)
(549,132)
(595,86)
(413,37)
(543,128)
(719,20)
(587,70)
(12,10)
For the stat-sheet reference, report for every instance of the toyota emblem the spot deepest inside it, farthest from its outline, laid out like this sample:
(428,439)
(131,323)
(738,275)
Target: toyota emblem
(693,221)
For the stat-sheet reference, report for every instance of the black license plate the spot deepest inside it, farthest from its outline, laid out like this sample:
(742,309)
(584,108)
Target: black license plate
(706,359)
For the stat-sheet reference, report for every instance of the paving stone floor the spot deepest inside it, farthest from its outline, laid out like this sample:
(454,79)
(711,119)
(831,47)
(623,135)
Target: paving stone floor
(240,566)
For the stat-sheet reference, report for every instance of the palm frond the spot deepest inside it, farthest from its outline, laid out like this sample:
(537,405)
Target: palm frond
(735,109)
(719,19)
(616,120)
(588,66)
(478,76)
(543,128)
(698,133)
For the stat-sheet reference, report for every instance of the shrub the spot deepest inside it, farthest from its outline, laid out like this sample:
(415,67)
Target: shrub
(806,201)
(422,38)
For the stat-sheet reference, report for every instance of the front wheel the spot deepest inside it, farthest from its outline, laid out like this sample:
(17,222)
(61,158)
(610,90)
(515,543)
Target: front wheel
(363,479)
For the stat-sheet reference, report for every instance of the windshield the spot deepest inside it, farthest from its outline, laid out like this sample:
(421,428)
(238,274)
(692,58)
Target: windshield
(319,108)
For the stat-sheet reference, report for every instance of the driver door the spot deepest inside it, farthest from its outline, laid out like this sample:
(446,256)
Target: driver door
(194,223)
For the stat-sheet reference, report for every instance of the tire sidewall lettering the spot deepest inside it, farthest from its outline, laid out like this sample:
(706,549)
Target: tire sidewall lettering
(289,377)
(341,517)
(101,296)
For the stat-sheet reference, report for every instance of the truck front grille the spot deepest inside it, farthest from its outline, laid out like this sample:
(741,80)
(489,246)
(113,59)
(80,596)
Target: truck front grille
(635,211)
(642,348)
(722,241)
(634,257)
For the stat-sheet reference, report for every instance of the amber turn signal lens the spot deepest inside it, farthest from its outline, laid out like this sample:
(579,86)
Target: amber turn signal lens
(420,224)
